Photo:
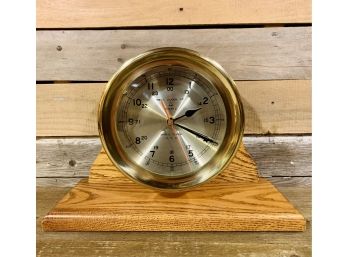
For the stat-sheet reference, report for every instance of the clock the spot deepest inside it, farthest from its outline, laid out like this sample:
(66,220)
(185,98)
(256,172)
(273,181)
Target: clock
(171,119)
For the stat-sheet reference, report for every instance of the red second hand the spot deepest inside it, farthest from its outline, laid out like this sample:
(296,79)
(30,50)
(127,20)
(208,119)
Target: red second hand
(171,125)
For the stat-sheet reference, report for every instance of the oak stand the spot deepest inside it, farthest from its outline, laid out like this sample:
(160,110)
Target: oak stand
(236,200)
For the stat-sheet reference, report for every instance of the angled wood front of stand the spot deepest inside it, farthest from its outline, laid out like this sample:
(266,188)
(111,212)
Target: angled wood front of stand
(237,200)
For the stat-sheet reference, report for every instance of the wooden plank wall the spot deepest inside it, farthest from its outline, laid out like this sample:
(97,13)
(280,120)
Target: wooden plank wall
(264,45)
(275,53)
(271,64)
(286,110)
(117,13)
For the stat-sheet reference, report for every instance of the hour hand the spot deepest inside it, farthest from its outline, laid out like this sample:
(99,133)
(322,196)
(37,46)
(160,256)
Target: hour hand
(188,113)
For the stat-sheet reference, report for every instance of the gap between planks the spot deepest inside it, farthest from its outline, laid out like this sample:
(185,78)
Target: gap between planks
(183,27)
(72,181)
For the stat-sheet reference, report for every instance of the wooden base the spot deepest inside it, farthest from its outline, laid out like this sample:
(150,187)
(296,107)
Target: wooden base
(237,200)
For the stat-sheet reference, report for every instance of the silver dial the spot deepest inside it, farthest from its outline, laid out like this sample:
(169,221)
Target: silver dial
(171,121)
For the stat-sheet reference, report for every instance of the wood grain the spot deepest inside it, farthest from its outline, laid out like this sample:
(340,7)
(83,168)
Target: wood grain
(274,155)
(270,107)
(274,53)
(192,244)
(241,169)
(122,205)
(107,13)
(48,196)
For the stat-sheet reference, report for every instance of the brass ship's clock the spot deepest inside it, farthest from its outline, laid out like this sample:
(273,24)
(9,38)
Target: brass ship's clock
(171,119)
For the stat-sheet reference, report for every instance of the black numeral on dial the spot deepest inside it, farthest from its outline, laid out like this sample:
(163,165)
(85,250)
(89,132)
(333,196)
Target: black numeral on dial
(133,121)
(210,120)
(170,81)
(154,150)
(137,102)
(138,140)
(204,101)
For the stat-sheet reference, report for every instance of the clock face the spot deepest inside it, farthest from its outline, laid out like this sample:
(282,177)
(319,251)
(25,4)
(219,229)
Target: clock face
(171,121)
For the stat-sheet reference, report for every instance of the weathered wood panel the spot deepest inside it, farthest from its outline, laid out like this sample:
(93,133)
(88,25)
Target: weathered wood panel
(70,182)
(281,156)
(247,54)
(123,248)
(70,157)
(107,13)
(274,156)
(270,107)
(67,109)
(173,243)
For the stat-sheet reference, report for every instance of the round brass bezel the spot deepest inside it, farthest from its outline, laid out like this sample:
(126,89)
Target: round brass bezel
(135,67)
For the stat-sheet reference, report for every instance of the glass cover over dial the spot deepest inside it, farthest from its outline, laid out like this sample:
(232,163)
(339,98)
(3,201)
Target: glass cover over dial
(171,119)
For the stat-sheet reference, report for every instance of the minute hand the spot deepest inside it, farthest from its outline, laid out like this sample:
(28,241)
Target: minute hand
(205,138)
